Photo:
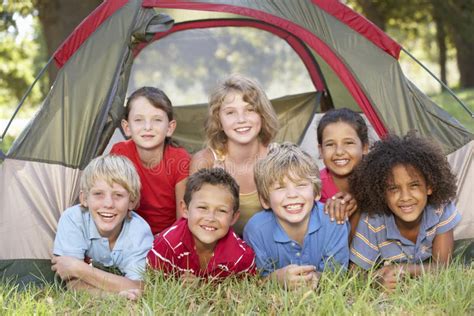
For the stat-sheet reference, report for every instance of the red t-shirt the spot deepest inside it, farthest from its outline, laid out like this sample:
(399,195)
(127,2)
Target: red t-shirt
(158,198)
(328,187)
(173,252)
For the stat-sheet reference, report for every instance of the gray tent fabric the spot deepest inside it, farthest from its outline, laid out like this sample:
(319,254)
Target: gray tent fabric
(40,175)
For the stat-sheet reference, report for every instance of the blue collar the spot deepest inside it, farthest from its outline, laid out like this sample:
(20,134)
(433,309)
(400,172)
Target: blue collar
(279,234)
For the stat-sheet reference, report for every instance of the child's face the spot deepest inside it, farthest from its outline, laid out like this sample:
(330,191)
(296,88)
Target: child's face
(146,125)
(341,148)
(108,205)
(210,214)
(407,194)
(291,201)
(239,119)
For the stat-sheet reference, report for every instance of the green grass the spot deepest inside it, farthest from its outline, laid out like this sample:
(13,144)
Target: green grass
(449,292)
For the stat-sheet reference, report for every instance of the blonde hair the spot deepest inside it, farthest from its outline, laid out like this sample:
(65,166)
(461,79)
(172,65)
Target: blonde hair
(112,169)
(285,160)
(253,94)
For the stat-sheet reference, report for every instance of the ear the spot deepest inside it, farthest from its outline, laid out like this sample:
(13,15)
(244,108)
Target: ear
(264,203)
(365,149)
(317,197)
(83,198)
(429,191)
(171,128)
(235,217)
(131,205)
(320,149)
(126,127)
(184,207)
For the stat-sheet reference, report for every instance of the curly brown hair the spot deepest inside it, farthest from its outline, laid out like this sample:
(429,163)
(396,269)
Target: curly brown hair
(369,180)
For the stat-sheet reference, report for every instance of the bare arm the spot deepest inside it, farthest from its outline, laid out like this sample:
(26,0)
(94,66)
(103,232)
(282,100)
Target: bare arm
(84,276)
(441,256)
(200,160)
(179,193)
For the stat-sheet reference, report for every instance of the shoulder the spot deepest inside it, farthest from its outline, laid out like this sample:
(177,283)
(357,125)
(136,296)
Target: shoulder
(202,159)
(122,147)
(75,214)
(138,225)
(177,151)
(446,217)
(174,235)
(261,220)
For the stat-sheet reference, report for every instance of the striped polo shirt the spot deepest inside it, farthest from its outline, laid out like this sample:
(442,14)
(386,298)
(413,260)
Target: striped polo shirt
(173,252)
(378,239)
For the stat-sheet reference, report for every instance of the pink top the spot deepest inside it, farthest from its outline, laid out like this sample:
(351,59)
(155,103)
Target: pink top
(328,187)
(174,252)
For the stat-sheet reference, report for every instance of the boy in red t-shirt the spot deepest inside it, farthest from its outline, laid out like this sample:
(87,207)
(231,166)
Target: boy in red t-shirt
(202,243)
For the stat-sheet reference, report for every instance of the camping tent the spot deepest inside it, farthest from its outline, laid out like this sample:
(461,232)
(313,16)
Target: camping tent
(349,61)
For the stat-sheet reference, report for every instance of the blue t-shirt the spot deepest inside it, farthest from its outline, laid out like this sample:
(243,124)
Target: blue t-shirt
(325,242)
(77,236)
(378,239)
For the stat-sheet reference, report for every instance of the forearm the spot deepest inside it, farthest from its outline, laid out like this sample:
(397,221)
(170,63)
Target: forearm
(106,281)
(415,270)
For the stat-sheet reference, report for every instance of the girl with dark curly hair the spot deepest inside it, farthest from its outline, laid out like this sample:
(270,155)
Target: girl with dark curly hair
(405,188)
(342,140)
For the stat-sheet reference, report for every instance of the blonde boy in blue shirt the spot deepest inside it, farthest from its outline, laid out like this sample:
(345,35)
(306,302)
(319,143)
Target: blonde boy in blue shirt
(101,244)
(292,238)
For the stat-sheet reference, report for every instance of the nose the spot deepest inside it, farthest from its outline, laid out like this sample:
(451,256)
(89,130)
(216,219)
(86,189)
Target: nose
(242,117)
(108,201)
(148,125)
(291,191)
(405,194)
(210,216)
(339,149)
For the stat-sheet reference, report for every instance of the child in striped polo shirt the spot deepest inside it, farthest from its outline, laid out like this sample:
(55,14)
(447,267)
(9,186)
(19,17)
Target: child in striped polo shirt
(202,243)
(404,187)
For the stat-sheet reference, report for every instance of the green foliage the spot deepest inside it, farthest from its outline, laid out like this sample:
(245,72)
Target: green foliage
(448,292)
(21,58)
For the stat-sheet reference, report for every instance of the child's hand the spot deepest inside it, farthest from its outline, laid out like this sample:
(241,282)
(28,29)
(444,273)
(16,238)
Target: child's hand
(67,267)
(389,276)
(294,276)
(189,279)
(131,294)
(340,207)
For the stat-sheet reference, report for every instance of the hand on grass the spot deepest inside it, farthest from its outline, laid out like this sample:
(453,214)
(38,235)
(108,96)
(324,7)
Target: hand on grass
(389,276)
(67,267)
(294,276)
(340,207)
(189,279)
(131,294)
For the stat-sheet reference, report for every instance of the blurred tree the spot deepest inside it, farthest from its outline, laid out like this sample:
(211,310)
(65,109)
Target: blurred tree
(58,19)
(454,21)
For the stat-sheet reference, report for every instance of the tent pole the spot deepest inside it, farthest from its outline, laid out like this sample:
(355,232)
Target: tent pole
(24,97)
(440,82)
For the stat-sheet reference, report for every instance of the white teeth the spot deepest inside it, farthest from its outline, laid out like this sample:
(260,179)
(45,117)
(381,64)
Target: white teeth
(341,162)
(242,129)
(208,228)
(293,207)
(107,215)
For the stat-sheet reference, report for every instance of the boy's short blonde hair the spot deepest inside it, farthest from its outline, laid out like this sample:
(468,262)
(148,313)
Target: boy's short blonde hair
(112,169)
(253,94)
(285,160)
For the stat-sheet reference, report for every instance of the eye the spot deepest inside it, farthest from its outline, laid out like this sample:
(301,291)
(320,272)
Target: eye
(250,109)
(302,184)
(229,112)
(350,142)
(138,120)
(328,144)
(223,211)
(157,119)
(392,188)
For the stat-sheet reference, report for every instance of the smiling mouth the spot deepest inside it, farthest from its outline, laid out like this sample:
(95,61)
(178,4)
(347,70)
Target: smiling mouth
(294,208)
(107,216)
(407,208)
(242,129)
(341,162)
(208,228)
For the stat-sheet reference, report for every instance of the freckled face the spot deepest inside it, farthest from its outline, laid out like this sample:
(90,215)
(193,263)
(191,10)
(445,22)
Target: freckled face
(341,148)
(407,194)
(239,119)
(147,125)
